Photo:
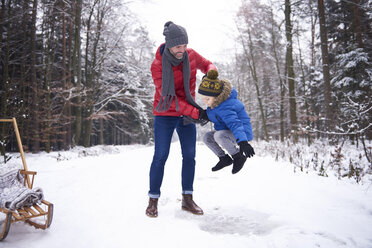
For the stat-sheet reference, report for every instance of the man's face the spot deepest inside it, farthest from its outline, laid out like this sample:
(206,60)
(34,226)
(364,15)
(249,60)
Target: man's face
(178,51)
(208,100)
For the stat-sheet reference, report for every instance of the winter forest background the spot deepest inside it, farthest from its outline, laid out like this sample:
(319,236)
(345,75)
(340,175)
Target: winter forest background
(77,73)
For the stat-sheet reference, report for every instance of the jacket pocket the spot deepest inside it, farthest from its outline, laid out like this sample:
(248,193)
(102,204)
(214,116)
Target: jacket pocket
(220,120)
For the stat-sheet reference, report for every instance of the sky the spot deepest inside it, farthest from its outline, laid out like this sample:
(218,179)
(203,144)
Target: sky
(209,23)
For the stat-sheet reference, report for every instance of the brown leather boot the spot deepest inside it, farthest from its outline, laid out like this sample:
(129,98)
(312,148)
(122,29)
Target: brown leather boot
(152,208)
(189,205)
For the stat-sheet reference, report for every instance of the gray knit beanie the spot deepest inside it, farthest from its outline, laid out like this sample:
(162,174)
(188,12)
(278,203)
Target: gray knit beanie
(175,35)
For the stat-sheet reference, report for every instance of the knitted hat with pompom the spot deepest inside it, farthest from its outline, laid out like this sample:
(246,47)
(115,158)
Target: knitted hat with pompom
(211,85)
(175,35)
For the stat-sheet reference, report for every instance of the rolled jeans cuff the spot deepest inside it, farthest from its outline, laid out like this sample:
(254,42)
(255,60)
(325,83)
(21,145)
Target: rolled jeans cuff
(187,192)
(154,195)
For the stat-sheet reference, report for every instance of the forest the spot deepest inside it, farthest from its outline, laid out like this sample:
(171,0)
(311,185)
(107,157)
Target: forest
(77,73)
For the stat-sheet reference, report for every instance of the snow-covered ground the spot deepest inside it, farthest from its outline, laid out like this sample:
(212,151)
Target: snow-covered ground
(100,196)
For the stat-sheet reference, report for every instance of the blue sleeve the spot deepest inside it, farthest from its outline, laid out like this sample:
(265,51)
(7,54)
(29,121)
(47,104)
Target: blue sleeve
(248,128)
(234,124)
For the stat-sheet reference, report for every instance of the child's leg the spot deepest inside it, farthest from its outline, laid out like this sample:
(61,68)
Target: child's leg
(209,140)
(227,140)
(225,160)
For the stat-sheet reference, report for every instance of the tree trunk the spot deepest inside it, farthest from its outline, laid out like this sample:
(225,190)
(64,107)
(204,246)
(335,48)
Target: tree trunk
(101,130)
(277,64)
(314,20)
(64,74)
(290,70)
(48,78)
(3,86)
(357,27)
(69,81)
(114,133)
(305,96)
(23,83)
(5,76)
(325,61)
(91,71)
(35,103)
(77,72)
(89,77)
(282,113)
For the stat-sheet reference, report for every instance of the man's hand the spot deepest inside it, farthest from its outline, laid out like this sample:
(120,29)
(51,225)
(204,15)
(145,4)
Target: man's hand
(203,115)
(246,149)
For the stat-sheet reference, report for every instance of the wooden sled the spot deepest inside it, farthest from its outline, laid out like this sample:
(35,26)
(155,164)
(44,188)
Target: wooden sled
(38,215)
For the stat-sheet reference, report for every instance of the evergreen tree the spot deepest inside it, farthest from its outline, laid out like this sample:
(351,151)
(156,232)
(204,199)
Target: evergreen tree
(351,63)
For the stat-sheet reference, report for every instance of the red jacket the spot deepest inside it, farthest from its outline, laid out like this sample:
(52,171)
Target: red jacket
(196,62)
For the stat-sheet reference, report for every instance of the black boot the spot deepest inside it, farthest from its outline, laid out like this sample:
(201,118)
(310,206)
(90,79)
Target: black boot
(224,161)
(239,160)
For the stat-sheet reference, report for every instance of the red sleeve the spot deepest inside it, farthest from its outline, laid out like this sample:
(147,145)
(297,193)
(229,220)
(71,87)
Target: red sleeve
(156,71)
(203,64)
(187,109)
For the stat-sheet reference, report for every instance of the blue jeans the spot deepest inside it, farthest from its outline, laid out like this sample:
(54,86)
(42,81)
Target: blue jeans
(164,127)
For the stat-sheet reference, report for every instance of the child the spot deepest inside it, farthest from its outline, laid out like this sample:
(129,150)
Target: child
(231,122)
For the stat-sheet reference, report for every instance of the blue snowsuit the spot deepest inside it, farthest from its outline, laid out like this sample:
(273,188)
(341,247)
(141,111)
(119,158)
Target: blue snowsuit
(228,113)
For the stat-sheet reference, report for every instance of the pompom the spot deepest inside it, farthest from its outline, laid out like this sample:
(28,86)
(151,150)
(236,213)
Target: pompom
(212,74)
(166,28)
(168,23)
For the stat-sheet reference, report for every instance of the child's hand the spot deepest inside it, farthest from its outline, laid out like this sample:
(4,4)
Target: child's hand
(203,115)
(246,149)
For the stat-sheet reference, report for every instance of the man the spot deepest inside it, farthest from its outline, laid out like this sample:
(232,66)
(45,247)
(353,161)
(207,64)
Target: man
(174,74)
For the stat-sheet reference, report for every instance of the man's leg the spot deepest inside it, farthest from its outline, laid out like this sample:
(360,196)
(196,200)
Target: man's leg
(187,136)
(163,130)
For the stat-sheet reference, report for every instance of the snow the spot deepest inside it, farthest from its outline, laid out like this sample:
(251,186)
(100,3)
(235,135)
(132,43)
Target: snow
(100,196)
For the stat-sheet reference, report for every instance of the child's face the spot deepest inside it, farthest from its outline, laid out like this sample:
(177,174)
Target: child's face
(209,100)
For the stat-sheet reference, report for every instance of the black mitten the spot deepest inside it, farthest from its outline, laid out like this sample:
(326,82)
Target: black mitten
(203,115)
(246,149)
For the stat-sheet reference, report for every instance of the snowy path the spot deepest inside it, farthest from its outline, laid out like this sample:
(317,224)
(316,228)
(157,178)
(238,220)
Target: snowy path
(100,202)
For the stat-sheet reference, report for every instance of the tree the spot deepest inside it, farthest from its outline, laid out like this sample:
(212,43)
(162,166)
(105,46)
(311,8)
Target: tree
(76,67)
(51,80)
(250,55)
(351,65)
(99,9)
(274,31)
(290,71)
(353,84)
(325,61)
(34,84)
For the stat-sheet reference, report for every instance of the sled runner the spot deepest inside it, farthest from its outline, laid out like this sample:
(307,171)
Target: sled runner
(37,215)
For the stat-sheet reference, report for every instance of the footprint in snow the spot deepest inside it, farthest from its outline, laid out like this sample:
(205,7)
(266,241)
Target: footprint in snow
(234,221)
